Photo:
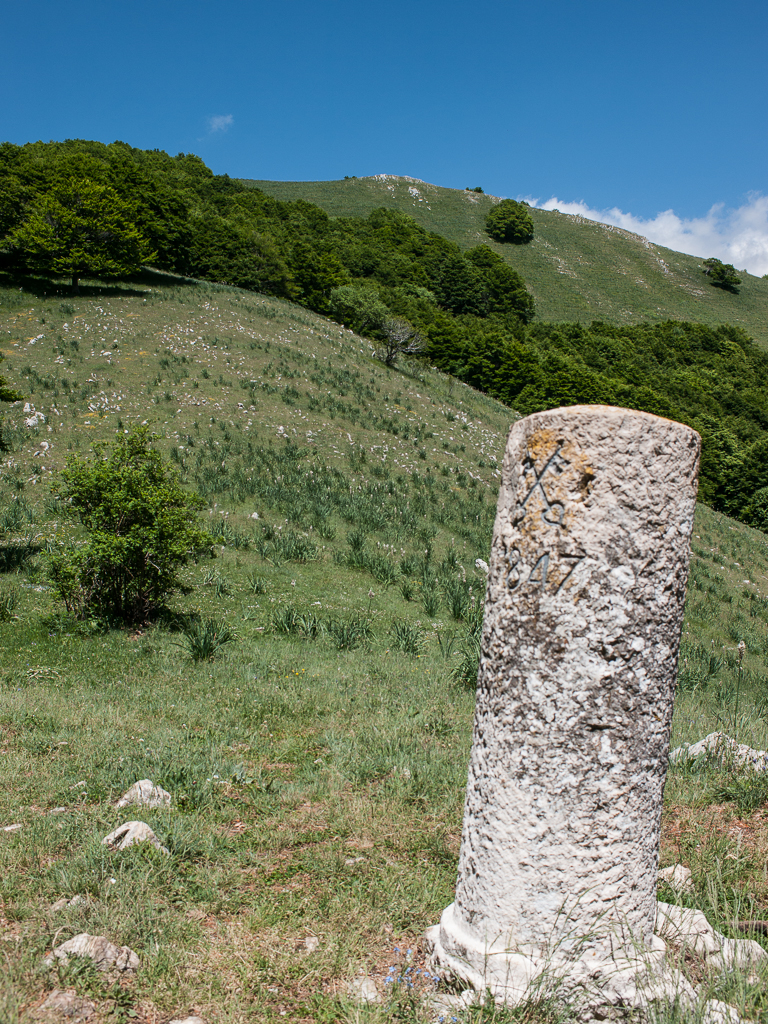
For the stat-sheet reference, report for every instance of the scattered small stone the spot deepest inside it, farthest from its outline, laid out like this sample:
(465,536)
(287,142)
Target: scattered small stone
(447,1003)
(66,1004)
(678,878)
(104,954)
(63,903)
(192,1020)
(146,794)
(351,861)
(363,990)
(131,833)
(10,828)
(720,747)
(58,810)
(311,943)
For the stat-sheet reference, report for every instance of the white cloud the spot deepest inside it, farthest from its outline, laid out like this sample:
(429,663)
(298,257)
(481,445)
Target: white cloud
(220,123)
(738,236)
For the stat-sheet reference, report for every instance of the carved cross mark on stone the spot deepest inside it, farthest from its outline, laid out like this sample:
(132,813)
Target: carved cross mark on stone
(553,511)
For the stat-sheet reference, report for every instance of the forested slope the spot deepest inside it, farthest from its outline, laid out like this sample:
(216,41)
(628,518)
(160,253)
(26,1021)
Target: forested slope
(574,268)
(458,302)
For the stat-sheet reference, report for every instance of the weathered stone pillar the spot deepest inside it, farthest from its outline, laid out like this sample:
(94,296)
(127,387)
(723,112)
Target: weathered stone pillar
(583,615)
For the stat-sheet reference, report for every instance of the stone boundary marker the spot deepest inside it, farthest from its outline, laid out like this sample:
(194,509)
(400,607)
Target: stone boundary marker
(583,614)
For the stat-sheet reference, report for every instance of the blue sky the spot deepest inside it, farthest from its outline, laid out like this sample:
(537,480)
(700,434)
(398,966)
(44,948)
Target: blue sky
(615,108)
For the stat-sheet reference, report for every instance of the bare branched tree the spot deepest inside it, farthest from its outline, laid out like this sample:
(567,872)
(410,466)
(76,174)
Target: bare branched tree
(400,339)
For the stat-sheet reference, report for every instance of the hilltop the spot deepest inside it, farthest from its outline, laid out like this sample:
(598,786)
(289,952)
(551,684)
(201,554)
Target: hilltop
(577,270)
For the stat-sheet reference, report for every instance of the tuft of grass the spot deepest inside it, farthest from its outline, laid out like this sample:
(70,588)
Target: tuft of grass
(347,633)
(203,639)
(406,636)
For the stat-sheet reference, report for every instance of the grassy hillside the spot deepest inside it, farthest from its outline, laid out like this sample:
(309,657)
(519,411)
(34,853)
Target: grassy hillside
(577,269)
(317,765)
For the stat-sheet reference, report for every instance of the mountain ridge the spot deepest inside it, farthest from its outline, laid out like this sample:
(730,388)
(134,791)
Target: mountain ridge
(577,269)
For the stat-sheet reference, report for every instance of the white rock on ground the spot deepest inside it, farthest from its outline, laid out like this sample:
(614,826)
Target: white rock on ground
(131,833)
(720,747)
(65,1004)
(690,928)
(717,1012)
(678,878)
(363,990)
(145,794)
(192,1020)
(63,903)
(104,954)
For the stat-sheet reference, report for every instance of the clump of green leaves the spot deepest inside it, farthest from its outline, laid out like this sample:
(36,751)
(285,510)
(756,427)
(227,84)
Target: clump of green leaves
(82,227)
(142,527)
(722,275)
(510,221)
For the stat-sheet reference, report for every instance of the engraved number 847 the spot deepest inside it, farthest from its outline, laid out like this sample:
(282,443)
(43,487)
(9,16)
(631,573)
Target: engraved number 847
(539,574)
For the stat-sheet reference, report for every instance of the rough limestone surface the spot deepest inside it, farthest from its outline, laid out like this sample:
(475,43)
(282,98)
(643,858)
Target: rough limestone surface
(363,990)
(583,613)
(131,833)
(65,1005)
(678,878)
(104,954)
(688,928)
(146,794)
(717,746)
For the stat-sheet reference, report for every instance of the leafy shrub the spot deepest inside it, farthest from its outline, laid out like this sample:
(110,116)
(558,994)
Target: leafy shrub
(722,275)
(510,221)
(358,306)
(142,528)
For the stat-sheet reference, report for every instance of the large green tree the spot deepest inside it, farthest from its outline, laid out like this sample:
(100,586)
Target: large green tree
(80,227)
(510,221)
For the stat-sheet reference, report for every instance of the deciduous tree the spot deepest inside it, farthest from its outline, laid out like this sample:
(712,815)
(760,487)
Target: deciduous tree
(722,275)
(80,227)
(510,221)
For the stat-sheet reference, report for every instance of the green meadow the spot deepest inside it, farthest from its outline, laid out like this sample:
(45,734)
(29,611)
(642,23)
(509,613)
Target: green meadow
(317,761)
(576,269)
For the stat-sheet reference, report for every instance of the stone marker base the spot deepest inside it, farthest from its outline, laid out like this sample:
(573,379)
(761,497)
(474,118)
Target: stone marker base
(598,989)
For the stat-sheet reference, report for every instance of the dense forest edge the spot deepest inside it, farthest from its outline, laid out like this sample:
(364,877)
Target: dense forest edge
(466,311)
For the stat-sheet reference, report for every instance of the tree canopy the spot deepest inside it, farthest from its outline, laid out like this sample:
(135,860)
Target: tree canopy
(510,221)
(80,227)
(143,205)
(722,275)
